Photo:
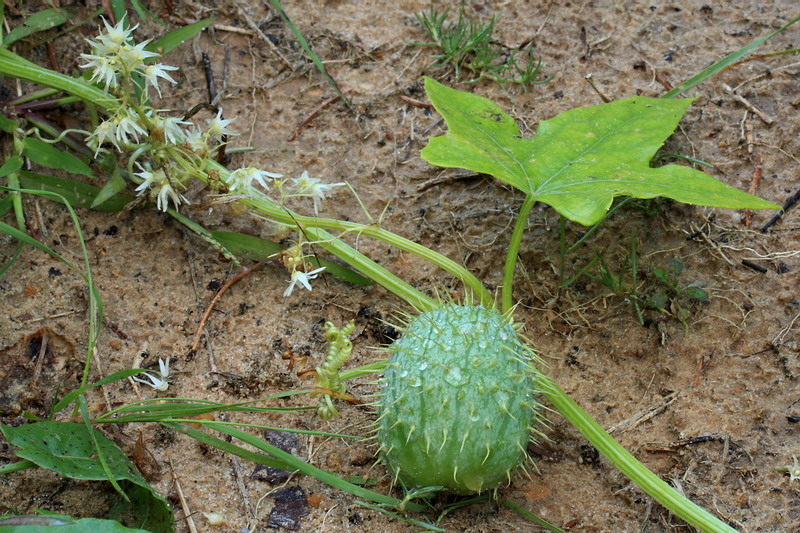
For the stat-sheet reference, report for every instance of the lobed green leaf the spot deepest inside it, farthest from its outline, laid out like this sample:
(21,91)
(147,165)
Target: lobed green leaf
(579,160)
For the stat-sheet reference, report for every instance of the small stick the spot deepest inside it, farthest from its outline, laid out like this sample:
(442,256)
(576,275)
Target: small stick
(589,78)
(692,440)
(752,107)
(40,358)
(214,300)
(233,29)
(51,54)
(753,186)
(212,92)
(418,103)
(314,112)
(264,38)
(701,365)
(754,266)
(115,329)
(184,504)
(789,203)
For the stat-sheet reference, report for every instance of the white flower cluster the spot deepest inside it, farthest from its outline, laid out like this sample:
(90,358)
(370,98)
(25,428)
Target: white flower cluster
(137,127)
(170,152)
(114,56)
(313,188)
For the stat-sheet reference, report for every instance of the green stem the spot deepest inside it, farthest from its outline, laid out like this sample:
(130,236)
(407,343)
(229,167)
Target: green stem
(628,464)
(513,251)
(315,228)
(16,67)
(14,467)
(562,251)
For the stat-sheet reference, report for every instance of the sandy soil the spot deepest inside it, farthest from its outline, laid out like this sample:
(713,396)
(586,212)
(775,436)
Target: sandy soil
(733,380)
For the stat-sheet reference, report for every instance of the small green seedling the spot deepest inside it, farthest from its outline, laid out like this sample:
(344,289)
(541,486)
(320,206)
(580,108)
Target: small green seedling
(467,44)
(670,299)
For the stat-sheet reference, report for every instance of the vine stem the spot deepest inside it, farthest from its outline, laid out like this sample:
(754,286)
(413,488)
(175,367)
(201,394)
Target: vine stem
(316,228)
(653,485)
(513,252)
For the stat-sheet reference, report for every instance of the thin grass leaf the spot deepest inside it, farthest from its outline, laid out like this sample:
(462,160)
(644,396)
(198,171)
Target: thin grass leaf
(111,378)
(175,38)
(427,526)
(73,192)
(204,234)
(309,470)
(115,185)
(12,164)
(724,63)
(145,13)
(95,302)
(186,407)
(314,58)
(325,434)
(99,451)
(49,156)
(227,447)
(40,21)
(530,516)
(118,9)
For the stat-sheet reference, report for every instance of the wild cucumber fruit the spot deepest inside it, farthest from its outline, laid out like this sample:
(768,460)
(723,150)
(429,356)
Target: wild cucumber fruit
(457,400)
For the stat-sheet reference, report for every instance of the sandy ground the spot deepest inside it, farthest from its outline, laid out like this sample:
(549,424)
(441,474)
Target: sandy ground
(732,380)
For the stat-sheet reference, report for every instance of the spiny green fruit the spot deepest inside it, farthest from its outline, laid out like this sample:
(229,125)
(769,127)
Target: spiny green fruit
(457,400)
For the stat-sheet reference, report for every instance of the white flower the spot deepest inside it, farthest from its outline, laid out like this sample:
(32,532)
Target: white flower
(197,141)
(105,131)
(302,278)
(115,35)
(160,382)
(171,126)
(313,188)
(218,127)
(149,179)
(794,470)
(243,178)
(160,188)
(126,125)
(105,69)
(157,70)
(167,193)
(133,57)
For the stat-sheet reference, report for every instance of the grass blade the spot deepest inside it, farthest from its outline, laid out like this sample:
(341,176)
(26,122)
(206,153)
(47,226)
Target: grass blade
(724,63)
(175,38)
(314,58)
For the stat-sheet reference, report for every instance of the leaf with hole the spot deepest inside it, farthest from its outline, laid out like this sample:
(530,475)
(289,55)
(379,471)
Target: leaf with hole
(579,160)
(69,449)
